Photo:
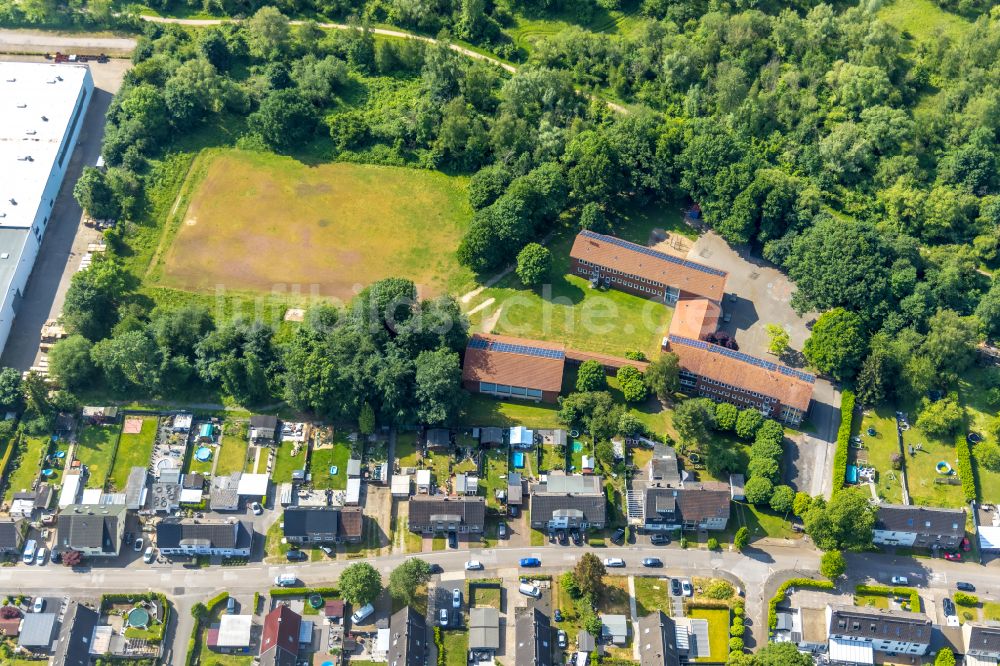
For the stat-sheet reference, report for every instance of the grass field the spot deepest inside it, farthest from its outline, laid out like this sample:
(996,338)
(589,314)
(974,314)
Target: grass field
(567,310)
(651,594)
(232,455)
(991,611)
(877,450)
(871,600)
(406,449)
(718,632)
(613,600)
(258,220)
(95,449)
(32,450)
(526,31)
(322,459)
(481,410)
(923,19)
(972,393)
(921,472)
(133,451)
(456,647)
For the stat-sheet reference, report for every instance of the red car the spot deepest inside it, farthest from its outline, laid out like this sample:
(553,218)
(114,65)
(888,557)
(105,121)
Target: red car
(953,556)
(966,546)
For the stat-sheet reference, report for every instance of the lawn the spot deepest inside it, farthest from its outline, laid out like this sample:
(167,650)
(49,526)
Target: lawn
(718,632)
(651,594)
(761,522)
(481,410)
(414,542)
(273,547)
(613,600)
(321,460)
(29,458)
(526,31)
(569,311)
(871,600)
(437,543)
(95,449)
(440,465)
(921,472)
(286,463)
(923,19)
(496,474)
(972,391)
(552,458)
(337,225)
(877,450)
(486,596)
(991,611)
(406,449)
(232,453)
(456,647)
(133,451)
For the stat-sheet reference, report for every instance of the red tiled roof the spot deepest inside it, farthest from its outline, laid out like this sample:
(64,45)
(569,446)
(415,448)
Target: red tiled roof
(634,259)
(213,636)
(334,608)
(607,360)
(11,627)
(695,318)
(512,368)
(350,521)
(281,630)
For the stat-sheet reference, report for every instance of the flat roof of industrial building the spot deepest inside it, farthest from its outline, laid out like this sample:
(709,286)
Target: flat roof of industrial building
(37,106)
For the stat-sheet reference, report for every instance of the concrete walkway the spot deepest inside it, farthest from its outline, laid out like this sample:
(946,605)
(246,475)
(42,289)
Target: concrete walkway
(635,618)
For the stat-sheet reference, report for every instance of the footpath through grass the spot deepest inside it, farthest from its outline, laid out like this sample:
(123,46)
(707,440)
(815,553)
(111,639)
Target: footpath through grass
(134,450)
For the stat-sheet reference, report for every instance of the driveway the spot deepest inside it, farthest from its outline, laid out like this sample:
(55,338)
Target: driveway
(47,41)
(66,239)
(763,296)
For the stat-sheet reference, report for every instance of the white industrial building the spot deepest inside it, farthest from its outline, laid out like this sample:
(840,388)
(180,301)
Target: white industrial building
(42,108)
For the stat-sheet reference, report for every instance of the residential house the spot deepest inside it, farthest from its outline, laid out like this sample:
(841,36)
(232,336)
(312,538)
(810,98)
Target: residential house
(533,638)
(400,485)
(522,438)
(263,427)
(93,530)
(642,271)
(806,627)
(491,436)
(224,492)
(855,633)
(192,488)
(515,489)
(430,514)
(231,634)
(466,484)
(484,630)
(423,477)
(38,632)
(981,642)
(736,487)
(657,640)
(614,629)
(919,526)
(226,538)
(703,506)
(304,525)
(438,438)
(135,488)
(407,638)
(509,367)
(662,470)
(568,502)
(279,643)
(11,535)
(76,645)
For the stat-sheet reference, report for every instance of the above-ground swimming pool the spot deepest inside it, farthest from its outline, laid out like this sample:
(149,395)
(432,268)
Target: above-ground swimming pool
(518,460)
(943,467)
(203,454)
(577,446)
(138,617)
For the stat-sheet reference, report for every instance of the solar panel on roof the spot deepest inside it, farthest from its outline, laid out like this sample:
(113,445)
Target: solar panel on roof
(745,358)
(478,343)
(654,253)
(510,348)
(792,372)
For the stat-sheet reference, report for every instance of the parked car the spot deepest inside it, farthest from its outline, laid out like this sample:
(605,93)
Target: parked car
(231,606)
(296,555)
(473,565)
(327,549)
(452,540)
(577,537)
(965,587)
(619,536)
(900,580)
(562,638)
(530,562)
(456,598)
(443,617)
(362,614)
(39,605)
(515,511)
(659,539)
(954,557)
(29,552)
(436,569)
(286,580)
(948,606)
(256,508)
(615,562)
(558,615)
(41,555)
(652,562)
(675,587)
(686,588)
(966,546)
(138,545)
(563,539)
(529,590)
(502,530)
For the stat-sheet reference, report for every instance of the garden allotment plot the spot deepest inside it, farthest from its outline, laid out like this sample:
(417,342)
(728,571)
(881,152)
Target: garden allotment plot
(257,220)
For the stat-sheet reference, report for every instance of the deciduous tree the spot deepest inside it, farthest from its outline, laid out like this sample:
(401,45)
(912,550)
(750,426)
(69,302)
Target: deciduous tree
(360,584)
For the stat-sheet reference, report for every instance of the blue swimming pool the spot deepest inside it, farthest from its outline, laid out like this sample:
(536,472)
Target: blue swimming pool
(577,446)
(518,460)
(852,473)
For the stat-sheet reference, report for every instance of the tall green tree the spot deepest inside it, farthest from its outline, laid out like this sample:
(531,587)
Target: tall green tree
(589,572)
(95,196)
(438,386)
(360,583)
(663,376)
(591,377)
(534,262)
(846,522)
(70,362)
(837,344)
(406,579)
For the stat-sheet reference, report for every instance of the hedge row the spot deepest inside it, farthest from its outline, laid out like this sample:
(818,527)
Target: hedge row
(885,590)
(779,596)
(843,439)
(442,658)
(303,591)
(965,469)
(216,600)
(12,446)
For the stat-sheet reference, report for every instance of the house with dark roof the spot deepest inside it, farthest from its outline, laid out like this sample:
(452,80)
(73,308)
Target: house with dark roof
(11,535)
(919,526)
(430,514)
(263,428)
(76,642)
(407,638)
(981,641)
(533,638)
(568,502)
(484,630)
(279,642)
(657,637)
(491,436)
(228,538)
(509,367)
(322,524)
(95,530)
(438,438)
(224,493)
(515,489)
(701,506)
(856,632)
(662,470)
(38,632)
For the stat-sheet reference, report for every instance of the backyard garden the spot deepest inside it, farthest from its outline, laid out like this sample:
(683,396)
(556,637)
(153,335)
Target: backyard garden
(134,449)
(95,448)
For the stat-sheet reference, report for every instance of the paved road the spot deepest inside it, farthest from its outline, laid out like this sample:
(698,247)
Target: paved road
(41,41)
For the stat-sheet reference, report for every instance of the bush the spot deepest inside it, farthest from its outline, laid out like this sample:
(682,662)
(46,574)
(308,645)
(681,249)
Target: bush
(303,591)
(965,470)
(738,610)
(736,644)
(684,542)
(736,630)
(844,440)
(965,599)
(741,538)
(439,642)
(212,603)
(719,589)
(713,543)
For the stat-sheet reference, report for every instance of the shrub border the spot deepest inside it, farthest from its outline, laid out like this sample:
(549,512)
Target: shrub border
(886,591)
(843,439)
(966,471)
(782,593)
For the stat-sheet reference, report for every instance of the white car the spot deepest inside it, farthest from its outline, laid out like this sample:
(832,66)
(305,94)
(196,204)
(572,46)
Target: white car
(900,580)
(456,598)
(149,555)
(137,546)
(41,555)
(256,508)
(39,605)
(615,562)
(686,588)
(473,565)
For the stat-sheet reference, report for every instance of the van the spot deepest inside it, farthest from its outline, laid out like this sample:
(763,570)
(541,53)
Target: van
(362,614)
(29,551)
(286,580)
(529,590)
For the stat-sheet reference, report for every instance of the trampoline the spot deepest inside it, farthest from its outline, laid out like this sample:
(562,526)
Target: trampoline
(47,472)
(333,470)
(316,601)
(203,454)
(60,454)
(973,438)
(138,617)
(852,474)
(518,460)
